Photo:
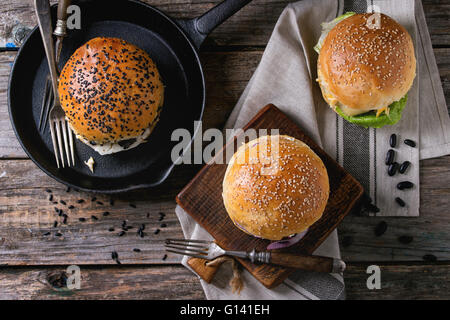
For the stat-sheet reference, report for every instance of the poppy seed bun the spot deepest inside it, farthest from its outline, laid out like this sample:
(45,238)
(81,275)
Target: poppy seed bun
(277,203)
(111,92)
(366,68)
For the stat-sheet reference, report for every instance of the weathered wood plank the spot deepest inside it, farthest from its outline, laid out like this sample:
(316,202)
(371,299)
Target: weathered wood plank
(176,282)
(145,282)
(251,26)
(24,206)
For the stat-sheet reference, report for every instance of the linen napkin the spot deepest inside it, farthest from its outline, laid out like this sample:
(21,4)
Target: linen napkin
(286,77)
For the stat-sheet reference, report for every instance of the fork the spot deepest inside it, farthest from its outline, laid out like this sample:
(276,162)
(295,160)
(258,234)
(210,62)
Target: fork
(57,117)
(210,250)
(60,33)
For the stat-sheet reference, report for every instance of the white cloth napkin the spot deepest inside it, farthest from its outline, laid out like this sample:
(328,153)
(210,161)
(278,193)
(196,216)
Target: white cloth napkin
(286,77)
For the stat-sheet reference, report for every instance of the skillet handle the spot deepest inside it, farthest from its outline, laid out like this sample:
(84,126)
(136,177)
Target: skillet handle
(199,28)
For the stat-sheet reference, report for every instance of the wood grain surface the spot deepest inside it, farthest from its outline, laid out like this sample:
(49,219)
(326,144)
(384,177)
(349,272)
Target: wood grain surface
(229,56)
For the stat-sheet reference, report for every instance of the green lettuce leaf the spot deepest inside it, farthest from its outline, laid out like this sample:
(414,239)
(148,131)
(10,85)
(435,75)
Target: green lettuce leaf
(369,119)
(327,26)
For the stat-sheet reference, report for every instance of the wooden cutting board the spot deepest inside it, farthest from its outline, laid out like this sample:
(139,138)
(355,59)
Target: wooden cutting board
(202,199)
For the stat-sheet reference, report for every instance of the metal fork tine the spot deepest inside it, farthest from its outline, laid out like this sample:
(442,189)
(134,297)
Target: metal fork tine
(189,240)
(44,100)
(188,247)
(69,131)
(183,244)
(186,254)
(55,150)
(59,138)
(66,144)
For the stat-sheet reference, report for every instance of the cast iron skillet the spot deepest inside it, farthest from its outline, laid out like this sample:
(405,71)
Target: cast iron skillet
(171,44)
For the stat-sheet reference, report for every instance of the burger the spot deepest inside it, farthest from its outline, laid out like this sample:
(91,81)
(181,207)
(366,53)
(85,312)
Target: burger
(275,187)
(112,94)
(366,69)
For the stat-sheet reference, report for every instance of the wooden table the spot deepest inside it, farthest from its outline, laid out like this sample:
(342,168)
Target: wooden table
(32,263)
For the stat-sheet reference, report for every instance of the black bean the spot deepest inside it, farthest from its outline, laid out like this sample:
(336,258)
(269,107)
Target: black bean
(58,234)
(50,198)
(141,233)
(60,213)
(390,157)
(410,143)
(80,201)
(405,239)
(62,202)
(372,208)
(68,189)
(393,140)
(347,241)
(111,229)
(71,207)
(56,209)
(132,205)
(106,213)
(46,234)
(156,231)
(124,223)
(121,233)
(48,190)
(94,218)
(381,228)
(55,224)
(93,199)
(400,202)
(82,219)
(111,202)
(405,185)
(163,225)
(65,219)
(142,226)
(164,257)
(392,169)
(136,250)
(114,255)
(429,258)
(404,167)
(100,203)
(148,215)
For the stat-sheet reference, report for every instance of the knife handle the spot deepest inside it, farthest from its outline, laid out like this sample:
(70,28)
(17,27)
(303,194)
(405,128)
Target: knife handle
(307,262)
(61,23)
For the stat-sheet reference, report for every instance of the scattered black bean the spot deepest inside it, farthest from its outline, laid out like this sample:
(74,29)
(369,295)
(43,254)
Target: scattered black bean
(54,202)
(390,157)
(381,228)
(94,218)
(156,231)
(163,225)
(404,167)
(124,223)
(93,199)
(80,201)
(142,226)
(140,233)
(132,205)
(164,257)
(100,203)
(347,241)
(114,255)
(392,169)
(50,198)
(68,189)
(62,202)
(111,202)
(55,224)
(405,185)
(82,219)
(121,233)
(136,250)
(60,213)
(71,207)
(400,202)
(405,239)
(111,229)
(372,208)
(429,258)
(106,213)
(56,209)
(46,234)
(410,143)
(393,140)
(48,190)
(58,234)
(65,219)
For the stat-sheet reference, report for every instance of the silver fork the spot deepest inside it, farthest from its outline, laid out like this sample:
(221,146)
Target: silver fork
(57,117)
(210,250)
(60,33)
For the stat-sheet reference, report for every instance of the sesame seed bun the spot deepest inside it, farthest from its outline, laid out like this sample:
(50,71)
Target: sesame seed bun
(111,93)
(279,200)
(364,68)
